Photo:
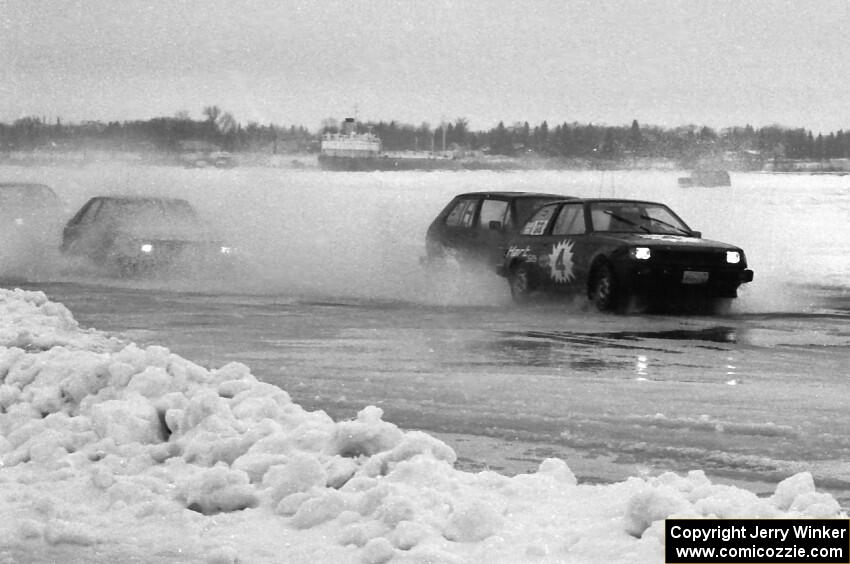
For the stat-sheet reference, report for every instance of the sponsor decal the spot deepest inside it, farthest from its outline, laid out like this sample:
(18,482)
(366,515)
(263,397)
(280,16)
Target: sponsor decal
(514,251)
(561,262)
(539,226)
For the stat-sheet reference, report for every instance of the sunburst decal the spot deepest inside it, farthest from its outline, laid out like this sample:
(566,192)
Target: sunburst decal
(561,262)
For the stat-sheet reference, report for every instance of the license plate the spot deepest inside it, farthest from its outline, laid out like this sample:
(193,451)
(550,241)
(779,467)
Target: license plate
(694,277)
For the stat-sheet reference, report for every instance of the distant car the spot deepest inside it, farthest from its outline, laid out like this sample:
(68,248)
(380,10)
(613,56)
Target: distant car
(143,235)
(706,178)
(475,227)
(30,213)
(613,250)
(217,159)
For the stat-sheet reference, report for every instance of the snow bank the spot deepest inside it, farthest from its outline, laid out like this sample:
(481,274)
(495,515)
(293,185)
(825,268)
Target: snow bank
(110,449)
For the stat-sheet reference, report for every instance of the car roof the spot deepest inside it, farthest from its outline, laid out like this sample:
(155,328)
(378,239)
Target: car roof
(22,184)
(511,194)
(34,185)
(599,200)
(24,189)
(139,199)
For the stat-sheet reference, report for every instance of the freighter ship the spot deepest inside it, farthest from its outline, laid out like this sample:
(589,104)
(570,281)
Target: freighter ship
(349,150)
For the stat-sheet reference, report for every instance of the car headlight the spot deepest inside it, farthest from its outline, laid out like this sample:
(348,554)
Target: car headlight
(640,253)
(146,248)
(226,250)
(733,257)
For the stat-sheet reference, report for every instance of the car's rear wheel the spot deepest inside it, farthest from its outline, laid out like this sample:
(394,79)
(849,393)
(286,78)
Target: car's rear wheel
(604,292)
(520,284)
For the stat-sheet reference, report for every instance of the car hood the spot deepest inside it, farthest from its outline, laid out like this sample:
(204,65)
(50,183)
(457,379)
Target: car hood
(667,241)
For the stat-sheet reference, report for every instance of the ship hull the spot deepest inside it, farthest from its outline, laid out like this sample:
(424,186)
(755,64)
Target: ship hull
(386,163)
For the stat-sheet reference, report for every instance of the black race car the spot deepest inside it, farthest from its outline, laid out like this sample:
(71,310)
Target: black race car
(141,235)
(614,250)
(476,226)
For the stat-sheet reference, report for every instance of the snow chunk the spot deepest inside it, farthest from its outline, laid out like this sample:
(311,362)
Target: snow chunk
(299,474)
(66,532)
(473,521)
(365,436)
(652,505)
(790,488)
(130,420)
(29,321)
(318,510)
(557,469)
(218,489)
(256,464)
(411,445)
(797,494)
(408,534)
(378,551)
(152,382)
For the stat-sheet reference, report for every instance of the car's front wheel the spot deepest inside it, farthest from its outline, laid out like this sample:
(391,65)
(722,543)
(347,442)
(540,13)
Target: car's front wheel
(604,292)
(520,284)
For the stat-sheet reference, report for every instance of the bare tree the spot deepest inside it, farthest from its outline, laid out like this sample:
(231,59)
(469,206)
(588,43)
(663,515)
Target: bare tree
(212,113)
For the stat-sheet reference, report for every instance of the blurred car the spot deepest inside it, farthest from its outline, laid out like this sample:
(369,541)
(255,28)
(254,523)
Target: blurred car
(144,235)
(616,250)
(30,211)
(475,227)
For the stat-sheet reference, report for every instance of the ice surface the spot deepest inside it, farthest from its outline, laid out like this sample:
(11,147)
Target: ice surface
(139,451)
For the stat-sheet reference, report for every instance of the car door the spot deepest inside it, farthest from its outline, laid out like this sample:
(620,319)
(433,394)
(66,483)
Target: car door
(565,250)
(489,233)
(531,246)
(459,233)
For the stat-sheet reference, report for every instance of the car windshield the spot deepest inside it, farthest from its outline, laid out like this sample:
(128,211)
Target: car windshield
(636,217)
(152,213)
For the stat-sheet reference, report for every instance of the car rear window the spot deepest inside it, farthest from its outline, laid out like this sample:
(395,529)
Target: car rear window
(462,214)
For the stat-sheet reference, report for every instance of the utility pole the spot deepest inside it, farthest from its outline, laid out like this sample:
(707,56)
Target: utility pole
(444,137)
(443,127)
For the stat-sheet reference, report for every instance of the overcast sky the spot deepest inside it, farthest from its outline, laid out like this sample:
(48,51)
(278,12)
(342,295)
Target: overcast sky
(288,62)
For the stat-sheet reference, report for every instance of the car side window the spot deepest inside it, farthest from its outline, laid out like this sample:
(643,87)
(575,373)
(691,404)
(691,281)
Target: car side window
(570,221)
(492,210)
(538,222)
(462,214)
(601,220)
(88,216)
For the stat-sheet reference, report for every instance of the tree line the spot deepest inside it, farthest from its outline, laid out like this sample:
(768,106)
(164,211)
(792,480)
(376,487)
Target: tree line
(686,144)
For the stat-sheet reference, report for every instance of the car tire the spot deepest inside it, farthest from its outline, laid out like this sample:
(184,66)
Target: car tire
(604,292)
(520,284)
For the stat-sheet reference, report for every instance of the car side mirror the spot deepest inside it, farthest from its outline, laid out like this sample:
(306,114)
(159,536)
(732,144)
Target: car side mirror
(697,234)
(495,225)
